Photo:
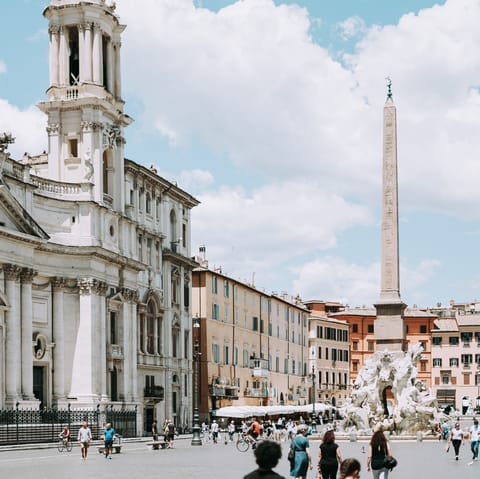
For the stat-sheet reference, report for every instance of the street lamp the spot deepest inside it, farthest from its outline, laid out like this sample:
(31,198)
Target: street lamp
(196,439)
(314,423)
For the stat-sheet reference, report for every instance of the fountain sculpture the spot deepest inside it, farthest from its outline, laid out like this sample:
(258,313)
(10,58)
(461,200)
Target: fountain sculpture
(413,408)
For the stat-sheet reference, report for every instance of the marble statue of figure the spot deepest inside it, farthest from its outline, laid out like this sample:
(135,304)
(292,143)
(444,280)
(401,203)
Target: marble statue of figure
(88,165)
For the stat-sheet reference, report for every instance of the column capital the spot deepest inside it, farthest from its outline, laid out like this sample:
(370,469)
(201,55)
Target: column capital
(88,125)
(54,29)
(87,26)
(27,275)
(53,128)
(11,271)
(92,286)
(130,295)
(58,282)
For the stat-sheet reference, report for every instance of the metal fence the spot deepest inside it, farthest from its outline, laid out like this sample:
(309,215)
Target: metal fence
(26,426)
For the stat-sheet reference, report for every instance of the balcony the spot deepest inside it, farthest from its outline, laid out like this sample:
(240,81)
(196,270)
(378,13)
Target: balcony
(115,351)
(219,391)
(259,368)
(156,393)
(255,392)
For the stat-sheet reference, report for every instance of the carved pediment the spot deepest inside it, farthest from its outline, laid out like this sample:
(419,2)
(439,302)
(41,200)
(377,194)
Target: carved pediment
(15,218)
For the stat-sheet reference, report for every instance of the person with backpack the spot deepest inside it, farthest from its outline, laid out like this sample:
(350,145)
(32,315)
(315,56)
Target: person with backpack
(169,433)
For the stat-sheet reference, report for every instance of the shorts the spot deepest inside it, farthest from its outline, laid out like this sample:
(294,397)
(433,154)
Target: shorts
(108,443)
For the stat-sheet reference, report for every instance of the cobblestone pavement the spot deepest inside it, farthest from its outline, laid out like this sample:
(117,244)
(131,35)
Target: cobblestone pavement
(419,460)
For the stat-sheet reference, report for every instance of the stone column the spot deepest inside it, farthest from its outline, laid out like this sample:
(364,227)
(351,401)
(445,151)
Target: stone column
(81,53)
(53,30)
(117,71)
(26,277)
(58,322)
(54,168)
(110,69)
(64,67)
(13,344)
(88,52)
(86,359)
(102,339)
(97,54)
(129,344)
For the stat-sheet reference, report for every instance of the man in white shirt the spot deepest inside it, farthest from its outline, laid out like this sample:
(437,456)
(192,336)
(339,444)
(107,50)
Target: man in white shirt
(214,431)
(474,437)
(84,438)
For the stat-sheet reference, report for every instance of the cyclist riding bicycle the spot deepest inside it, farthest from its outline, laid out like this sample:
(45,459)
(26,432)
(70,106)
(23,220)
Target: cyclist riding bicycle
(65,434)
(254,431)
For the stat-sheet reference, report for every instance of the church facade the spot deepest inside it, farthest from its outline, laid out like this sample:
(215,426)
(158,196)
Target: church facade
(95,278)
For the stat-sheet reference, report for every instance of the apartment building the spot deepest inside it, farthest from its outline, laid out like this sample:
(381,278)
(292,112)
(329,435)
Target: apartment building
(456,357)
(253,345)
(419,323)
(329,353)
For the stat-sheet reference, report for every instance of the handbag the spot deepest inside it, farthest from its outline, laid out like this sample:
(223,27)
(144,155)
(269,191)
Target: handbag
(291,455)
(389,462)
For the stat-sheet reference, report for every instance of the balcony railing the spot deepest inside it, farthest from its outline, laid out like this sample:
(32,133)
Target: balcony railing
(154,392)
(223,391)
(255,392)
(259,368)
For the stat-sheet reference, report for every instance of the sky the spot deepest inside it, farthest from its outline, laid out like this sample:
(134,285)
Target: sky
(270,113)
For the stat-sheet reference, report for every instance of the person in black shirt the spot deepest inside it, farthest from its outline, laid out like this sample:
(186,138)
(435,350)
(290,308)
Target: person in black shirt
(267,455)
(328,457)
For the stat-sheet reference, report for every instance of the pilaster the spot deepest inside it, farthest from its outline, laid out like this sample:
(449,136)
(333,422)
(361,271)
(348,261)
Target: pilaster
(26,278)
(58,286)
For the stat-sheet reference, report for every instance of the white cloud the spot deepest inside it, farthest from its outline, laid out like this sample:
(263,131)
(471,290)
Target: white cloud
(352,27)
(26,126)
(272,228)
(3,67)
(356,284)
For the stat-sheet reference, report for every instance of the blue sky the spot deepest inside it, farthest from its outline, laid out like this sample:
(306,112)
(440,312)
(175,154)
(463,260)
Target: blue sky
(270,112)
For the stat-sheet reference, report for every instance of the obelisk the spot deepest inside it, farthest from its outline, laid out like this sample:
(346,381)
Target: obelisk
(389,322)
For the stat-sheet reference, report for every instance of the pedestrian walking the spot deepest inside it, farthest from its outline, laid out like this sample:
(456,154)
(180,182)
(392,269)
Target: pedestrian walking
(169,433)
(350,469)
(267,455)
(303,460)
(214,431)
(108,435)
(328,457)
(378,449)
(155,430)
(84,438)
(456,438)
(474,437)
(231,430)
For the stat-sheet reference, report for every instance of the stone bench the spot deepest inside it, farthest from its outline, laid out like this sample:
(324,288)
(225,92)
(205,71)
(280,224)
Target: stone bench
(157,444)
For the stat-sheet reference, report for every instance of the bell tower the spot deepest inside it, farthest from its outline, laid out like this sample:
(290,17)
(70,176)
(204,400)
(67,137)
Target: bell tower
(84,104)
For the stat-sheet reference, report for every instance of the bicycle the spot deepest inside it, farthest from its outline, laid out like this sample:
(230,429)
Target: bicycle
(64,444)
(244,442)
